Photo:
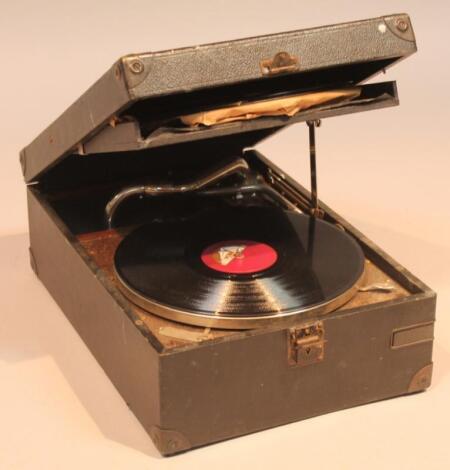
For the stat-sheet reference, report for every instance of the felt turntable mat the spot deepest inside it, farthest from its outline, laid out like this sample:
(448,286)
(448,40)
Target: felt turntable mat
(239,262)
(101,247)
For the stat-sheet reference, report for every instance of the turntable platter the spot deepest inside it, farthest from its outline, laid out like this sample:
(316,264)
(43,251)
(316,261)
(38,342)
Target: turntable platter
(239,267)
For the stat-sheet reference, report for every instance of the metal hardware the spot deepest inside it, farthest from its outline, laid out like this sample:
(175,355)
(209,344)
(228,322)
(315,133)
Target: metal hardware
(169,441)
(239,166)
(412,335)
(378,287)
(281,62)
(421,379)
(281,185)
(253,184)
(136,66)
(306,344)
(315,209)
(134,70)
(402,25)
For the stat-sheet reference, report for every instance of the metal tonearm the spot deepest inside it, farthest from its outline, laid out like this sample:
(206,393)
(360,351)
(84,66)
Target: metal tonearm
(238,166)
(252,184)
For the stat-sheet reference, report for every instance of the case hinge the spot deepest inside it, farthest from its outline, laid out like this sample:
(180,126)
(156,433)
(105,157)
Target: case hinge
(306,344)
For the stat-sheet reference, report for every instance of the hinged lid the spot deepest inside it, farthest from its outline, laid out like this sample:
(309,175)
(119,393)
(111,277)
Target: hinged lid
(130,108)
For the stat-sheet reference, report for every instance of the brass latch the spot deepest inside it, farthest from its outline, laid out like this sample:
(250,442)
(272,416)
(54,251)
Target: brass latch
(280,63)
(306,344)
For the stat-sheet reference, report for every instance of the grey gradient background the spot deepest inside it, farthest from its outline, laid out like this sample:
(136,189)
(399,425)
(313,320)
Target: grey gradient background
(387,172)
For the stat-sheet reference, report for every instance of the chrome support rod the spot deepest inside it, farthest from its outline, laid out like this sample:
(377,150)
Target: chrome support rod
(315,210)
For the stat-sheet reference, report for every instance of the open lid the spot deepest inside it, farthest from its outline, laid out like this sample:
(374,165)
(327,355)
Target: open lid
(128,109)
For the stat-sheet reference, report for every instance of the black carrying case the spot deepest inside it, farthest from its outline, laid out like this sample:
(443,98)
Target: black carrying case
(197,387)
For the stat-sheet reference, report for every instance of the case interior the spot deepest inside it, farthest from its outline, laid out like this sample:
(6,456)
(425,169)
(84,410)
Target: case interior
(81,212)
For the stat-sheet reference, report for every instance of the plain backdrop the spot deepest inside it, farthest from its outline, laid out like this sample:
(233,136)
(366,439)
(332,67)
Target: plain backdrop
(386,171)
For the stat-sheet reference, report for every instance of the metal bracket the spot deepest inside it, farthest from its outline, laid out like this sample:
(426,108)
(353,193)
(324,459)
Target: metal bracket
(400,26)
(306,344)
(134,69)
(421,379)
(412,335)
(169,442)
(280,63)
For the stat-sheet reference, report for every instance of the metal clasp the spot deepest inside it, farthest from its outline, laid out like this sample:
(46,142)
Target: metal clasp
(306,344)
(279,63)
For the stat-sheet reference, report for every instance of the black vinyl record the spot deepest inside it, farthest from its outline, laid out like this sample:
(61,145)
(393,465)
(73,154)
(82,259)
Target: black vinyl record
(239,267)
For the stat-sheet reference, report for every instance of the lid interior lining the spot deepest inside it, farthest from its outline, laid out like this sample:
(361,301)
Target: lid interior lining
(155,111)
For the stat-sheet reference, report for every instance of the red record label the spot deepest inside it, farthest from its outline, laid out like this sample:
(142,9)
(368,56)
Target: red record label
(239,256)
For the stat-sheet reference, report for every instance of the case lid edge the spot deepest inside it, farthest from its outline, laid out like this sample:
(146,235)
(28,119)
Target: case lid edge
(209,65)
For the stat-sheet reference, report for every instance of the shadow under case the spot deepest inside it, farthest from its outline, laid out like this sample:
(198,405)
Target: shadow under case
(193,385)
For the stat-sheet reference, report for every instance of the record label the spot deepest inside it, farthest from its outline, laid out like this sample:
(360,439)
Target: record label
(239,256)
